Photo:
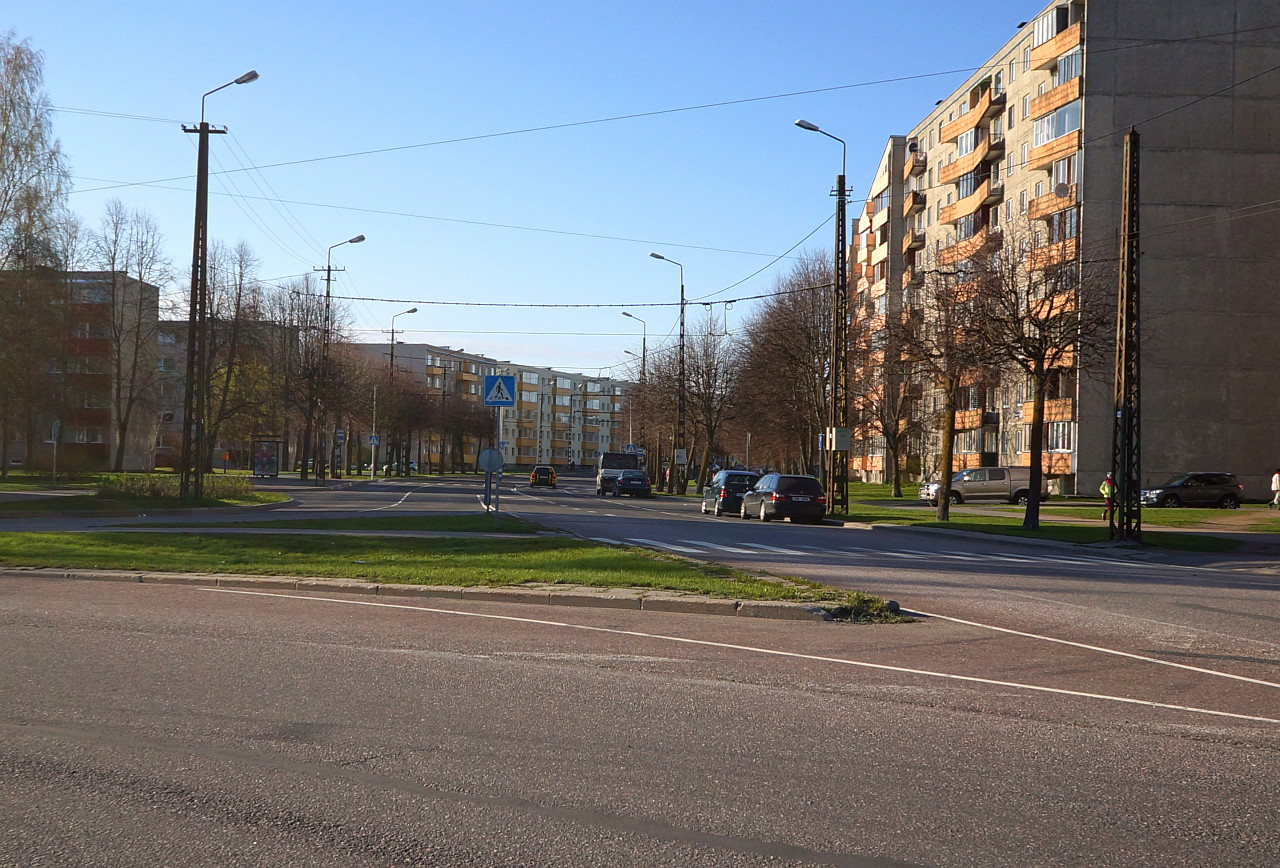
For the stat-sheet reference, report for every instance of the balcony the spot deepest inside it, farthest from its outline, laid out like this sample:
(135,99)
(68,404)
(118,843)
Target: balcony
(913,240)
(1063,146)
(916,163)
(989,149)
(1051,255)
(913,204)
(1055,410)
(967,420)
(1043,207)
(968,205)
(965,249)
(1055,99)
(987,105)
(1046,55)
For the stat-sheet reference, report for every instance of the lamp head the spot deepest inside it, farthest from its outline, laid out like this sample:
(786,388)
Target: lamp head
(251,75)
(355,240)
(657,256)
(412,310)
(805,125)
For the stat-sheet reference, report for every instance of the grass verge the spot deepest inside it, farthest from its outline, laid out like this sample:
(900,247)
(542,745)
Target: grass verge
(441,561)
(463,523)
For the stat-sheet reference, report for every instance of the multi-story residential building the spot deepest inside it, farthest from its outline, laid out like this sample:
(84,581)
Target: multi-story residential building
(559,418)
(1028,150)
(101,376)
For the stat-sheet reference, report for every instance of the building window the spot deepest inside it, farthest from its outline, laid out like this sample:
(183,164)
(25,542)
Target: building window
(1026,106)
(1022,202)
(1024,154)
(1064,171)
(1057,124)
(529,377)
(1039,189)
(1013,71)
(562,400)
(1063,225)
(564,383)
(1059,436)
(1069,67)
(1050,24)
(967,143)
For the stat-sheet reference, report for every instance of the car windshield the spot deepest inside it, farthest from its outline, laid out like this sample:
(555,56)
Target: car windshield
(633,475)
(740,483)
(1177,480)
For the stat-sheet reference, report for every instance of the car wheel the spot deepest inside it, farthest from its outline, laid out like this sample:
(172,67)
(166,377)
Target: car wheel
(1228,501)
(742,510)
(617,492)
(764,516)
(703,508)
(1022,498)
(1170,500)
(954,498)
(717,510)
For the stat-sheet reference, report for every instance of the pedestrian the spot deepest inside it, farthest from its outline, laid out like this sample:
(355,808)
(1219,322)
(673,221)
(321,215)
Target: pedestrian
(1108,491)
(1275,491)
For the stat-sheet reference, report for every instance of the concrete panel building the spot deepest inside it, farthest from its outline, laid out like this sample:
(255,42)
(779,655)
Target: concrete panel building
(1030,147)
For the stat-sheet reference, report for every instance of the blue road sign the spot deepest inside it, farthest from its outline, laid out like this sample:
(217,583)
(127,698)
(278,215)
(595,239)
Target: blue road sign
(499,390)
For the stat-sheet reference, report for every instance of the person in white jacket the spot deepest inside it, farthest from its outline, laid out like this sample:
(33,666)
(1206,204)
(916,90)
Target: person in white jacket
(1275,491)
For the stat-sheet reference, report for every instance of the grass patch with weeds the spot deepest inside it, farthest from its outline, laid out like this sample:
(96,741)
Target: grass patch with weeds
(461,523)
(439,561)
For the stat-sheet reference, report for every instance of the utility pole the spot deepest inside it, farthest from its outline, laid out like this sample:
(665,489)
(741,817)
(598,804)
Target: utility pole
(195,397)
(1126,441)
(326,337)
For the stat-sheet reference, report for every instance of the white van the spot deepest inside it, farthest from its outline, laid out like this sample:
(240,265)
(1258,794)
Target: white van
(1008,484)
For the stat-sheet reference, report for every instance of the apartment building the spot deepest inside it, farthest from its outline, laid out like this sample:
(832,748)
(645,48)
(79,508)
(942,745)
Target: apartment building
(1030,148)
(98,366)
(560,418)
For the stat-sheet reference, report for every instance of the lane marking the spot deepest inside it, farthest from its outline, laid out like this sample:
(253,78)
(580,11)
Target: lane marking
(1099,649)
(766,548)
(606,540)
(862,664)
(718,547)
(662,545)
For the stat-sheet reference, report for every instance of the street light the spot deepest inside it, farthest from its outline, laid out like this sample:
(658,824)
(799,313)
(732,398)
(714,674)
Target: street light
(325,340)
(838,410)
(191,484)
(680,404)
(644,364)
(391,367)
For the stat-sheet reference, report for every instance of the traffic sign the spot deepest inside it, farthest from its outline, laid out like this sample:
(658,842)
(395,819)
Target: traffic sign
(631,448)
(373,439)
(499,390)
(340,435)
(490,461)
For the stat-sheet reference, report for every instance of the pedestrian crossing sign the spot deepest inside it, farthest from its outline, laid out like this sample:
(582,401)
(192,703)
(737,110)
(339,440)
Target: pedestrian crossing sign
(499,390)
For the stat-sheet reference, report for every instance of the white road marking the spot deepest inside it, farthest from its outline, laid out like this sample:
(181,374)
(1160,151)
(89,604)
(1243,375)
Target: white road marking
(662,545)
(717,547)
(973,679)
(766,548)
(606,540)
(1100,650)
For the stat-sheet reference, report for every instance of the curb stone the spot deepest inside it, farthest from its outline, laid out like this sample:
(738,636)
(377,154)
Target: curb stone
(568,595)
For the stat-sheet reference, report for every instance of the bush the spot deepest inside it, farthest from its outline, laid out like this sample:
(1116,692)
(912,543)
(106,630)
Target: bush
(151,486)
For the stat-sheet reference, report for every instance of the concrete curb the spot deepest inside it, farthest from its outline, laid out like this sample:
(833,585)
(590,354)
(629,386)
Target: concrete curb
(544,595)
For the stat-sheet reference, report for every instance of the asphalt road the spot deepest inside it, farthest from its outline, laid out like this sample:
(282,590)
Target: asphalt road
(1059,707)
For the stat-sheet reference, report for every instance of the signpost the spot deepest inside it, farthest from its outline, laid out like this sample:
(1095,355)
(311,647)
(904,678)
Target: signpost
(499,392)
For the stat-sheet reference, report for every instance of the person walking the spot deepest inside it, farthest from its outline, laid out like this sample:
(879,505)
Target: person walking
(1275,491)
(1108,491)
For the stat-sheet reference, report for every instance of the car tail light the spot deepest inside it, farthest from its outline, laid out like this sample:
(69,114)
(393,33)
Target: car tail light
(821,498)
(721,495)
(775,496)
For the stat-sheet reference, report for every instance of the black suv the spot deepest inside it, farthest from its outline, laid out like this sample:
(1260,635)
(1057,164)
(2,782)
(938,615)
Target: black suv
(1197,489)
(799,498)
(724,492)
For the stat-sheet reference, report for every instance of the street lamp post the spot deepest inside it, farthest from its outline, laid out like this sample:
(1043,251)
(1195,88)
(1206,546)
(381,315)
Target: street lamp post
(191,483)
(644,364)
(838,408)
(391,367)
(680,403)
(326,337)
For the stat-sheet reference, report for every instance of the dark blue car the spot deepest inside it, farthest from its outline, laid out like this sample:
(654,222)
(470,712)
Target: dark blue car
(632,482)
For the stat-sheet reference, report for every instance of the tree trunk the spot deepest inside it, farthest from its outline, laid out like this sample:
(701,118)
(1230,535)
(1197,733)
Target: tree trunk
(1031,521)
(948,448)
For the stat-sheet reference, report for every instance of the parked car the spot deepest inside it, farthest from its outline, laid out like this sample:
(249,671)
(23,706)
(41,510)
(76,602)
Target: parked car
(724,492)
(543,474)
(1222,490)
(1008,484)
(776,495)
(633,482)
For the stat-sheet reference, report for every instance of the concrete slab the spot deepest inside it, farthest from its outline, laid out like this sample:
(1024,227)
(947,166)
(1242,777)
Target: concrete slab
(450,592)
(782,611)
(689,605)
(610,599)
(506,595)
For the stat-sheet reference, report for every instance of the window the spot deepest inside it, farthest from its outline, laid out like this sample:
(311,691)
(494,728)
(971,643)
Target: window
(1064,171)
(967,227)
(1050,24)
(165,365)
(563,383)
(1057,124)
(1063,225)
(562,400)
(882,201)
(997,127)
(1026,60)
(1069,67)
(529,377)
(1013,71)
(1009,119)
(967,143)
(997,84)
(1022,202)
(1026,106)
(967,184)
(529,397)
(1039,189)
(1059,436)
(1024,155)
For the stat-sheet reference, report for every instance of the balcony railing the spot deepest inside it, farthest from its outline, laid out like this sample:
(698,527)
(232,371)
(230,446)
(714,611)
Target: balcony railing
(913,240)
(1046,55)
(916,163)
(988,104)
(1042,207)
(913,203)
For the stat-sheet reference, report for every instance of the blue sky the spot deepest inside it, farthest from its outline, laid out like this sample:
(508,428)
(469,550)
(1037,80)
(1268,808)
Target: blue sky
(452,87)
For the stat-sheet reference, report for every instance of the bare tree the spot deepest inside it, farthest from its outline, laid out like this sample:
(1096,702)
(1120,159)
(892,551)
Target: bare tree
(711,366)
(33,172)
(786,361)
(1040,309)
(128,249)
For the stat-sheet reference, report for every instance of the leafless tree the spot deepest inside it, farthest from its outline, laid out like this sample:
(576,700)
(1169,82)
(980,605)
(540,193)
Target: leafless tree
(1039,310)
(786,362)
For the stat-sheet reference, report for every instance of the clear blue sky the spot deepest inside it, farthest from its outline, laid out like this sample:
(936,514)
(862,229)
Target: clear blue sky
(723,190)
